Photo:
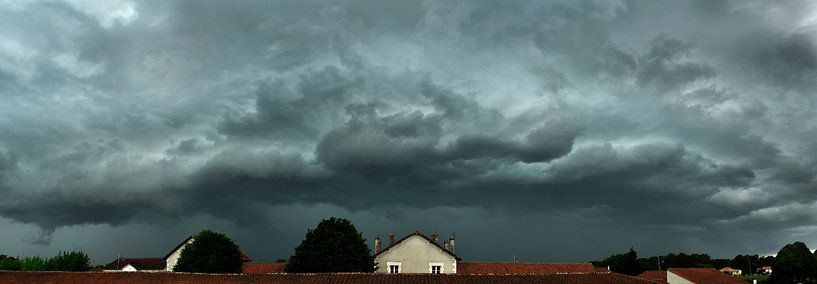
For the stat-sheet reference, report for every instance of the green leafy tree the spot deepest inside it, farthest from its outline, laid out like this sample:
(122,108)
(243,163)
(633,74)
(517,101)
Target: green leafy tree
(794,263)
(719,263)
(9,263)
(682,260)
(33,263)
(650,263)
(69,261)
(746,263)
(334,245)
(766,260)
(210,252)
(624,263)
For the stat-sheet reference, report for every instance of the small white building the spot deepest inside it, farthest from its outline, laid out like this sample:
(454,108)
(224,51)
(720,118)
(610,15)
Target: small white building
(731,271)
(173,256)
(135,265)
(416,253)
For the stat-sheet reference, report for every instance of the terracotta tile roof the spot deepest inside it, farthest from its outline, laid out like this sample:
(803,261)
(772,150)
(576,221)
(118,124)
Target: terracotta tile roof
(417,233)
(524,268)
(337,278)
(138,263)
(659,276)
(244,256)
(263,268)
(705,276)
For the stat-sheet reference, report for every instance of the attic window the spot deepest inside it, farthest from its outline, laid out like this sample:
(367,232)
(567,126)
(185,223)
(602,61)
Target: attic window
(435,267)
(394,267)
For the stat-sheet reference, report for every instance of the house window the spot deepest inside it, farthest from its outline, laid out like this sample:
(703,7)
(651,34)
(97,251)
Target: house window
(394,267)
(435,267)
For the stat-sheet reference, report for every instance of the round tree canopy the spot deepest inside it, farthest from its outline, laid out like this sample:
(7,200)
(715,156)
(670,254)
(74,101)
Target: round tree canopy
(210,252)
(334,245)
(794,263)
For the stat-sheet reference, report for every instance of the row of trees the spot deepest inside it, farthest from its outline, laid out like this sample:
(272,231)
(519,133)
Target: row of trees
(64,261)
(629,263)
(794,263)
(334,245)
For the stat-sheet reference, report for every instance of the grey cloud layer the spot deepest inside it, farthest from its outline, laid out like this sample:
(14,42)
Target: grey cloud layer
(686,120)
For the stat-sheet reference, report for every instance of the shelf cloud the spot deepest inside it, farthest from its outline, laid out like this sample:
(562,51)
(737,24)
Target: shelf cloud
(578,128)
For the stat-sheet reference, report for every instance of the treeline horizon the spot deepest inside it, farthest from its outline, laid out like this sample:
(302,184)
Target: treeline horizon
(318,253)
(63,261)
(794,263)
(744,262)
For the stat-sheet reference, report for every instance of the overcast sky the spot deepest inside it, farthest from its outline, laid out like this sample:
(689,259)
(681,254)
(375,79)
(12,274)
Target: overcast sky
(555,131)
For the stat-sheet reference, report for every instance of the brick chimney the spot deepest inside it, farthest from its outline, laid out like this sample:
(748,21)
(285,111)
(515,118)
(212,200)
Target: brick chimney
(392,239)
(377,245)
(451,243)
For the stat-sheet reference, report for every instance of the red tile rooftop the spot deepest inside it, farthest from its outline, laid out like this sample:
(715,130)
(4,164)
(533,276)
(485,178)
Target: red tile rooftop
(658,276)
(263,268)
(337,278)
(524,268)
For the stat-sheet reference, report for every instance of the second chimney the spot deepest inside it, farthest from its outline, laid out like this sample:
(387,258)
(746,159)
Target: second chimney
(392,239)
(451,243)
(377,245)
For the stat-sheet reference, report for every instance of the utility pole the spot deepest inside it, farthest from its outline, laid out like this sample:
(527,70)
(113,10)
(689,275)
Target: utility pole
(750,265)
(659,263)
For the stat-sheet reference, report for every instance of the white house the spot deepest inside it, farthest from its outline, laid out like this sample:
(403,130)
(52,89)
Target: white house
(416,253)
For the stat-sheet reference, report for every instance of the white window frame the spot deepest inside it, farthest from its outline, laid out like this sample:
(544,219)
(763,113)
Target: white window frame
(398,264)
(432,264)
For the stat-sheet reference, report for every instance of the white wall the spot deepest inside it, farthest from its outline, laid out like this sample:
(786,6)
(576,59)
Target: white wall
(415,254)
(174,257)
(673,278)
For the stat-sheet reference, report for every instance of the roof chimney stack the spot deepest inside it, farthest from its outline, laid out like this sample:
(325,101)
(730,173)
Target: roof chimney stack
(451,243)
(377,245)
(435,237)
(445,245)
(392,239)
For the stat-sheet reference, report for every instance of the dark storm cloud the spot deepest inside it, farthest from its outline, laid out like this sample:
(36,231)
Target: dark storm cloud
(647,122)
(799,50)
(658,66)
(316,101)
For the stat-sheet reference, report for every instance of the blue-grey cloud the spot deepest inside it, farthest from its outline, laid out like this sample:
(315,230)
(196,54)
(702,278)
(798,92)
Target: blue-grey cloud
(667,125)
